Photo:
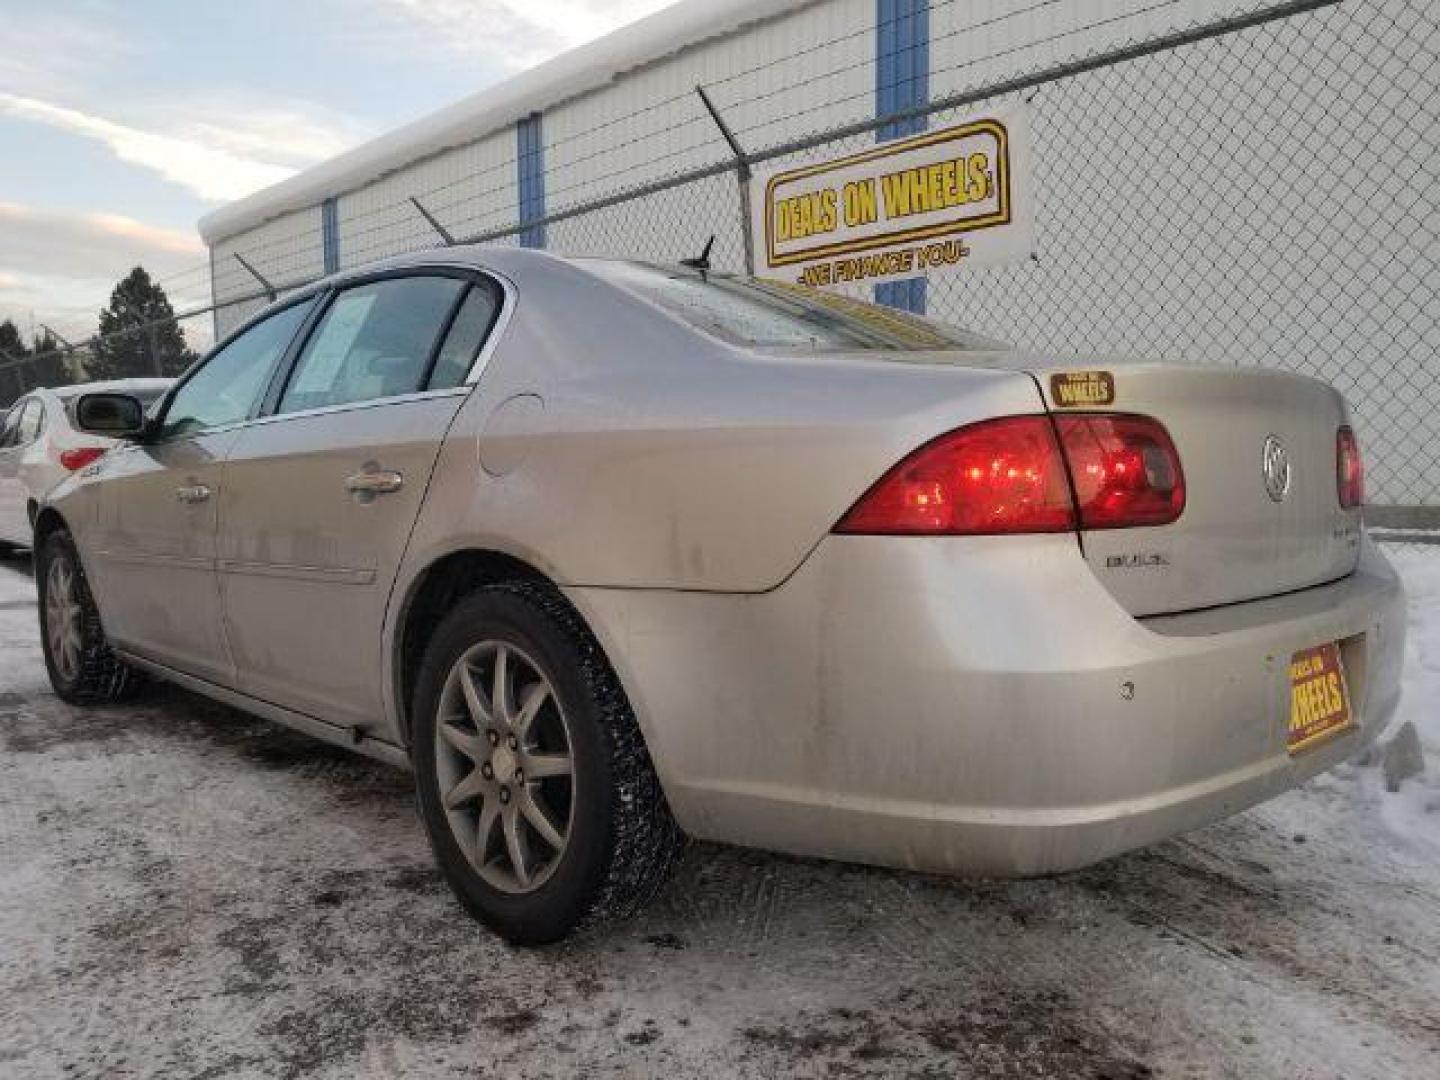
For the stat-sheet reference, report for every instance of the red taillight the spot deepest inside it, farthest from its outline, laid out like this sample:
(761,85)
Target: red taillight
(1349,469)
(1125,470)
(997,476)
(1009,476)
(78,457)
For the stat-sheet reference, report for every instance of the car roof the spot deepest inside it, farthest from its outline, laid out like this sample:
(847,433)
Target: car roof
(501,259)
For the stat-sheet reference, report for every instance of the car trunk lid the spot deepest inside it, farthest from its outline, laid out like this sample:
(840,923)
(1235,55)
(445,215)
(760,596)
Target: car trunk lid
(1245,532)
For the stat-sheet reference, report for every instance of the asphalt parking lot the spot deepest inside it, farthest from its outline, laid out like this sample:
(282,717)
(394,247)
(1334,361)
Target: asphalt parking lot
(190,892)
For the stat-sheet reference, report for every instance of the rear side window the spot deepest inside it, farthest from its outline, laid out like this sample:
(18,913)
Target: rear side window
(22,424)
(231,381)
(467,333)
(32,422)
(374,341)
(10,426)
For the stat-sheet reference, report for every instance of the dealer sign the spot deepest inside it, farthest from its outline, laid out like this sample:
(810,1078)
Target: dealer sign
(921,206)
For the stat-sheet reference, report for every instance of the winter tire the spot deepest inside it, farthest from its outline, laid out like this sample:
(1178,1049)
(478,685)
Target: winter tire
(534,783)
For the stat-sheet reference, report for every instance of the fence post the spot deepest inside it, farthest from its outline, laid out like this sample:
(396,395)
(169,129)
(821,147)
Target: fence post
(742,177)
(445,238)
(264,284)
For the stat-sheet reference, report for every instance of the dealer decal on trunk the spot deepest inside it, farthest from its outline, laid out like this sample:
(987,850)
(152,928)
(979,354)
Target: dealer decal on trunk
(1082,389)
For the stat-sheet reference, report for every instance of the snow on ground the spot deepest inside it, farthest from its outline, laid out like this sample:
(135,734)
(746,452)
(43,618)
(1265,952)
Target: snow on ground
(1413,813)
(186,891)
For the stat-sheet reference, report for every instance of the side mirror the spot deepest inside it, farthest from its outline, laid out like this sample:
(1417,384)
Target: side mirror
(114,415)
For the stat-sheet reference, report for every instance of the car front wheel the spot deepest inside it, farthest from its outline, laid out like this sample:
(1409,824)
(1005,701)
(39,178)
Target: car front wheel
(535,786)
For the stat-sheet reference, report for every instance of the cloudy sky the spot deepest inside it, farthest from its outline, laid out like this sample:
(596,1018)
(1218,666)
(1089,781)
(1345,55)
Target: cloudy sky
(123,121)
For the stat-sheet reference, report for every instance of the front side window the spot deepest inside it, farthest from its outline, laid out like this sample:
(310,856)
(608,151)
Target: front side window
(374,341)
(229,385)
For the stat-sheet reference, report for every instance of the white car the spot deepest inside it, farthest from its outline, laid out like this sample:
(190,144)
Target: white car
(39,447)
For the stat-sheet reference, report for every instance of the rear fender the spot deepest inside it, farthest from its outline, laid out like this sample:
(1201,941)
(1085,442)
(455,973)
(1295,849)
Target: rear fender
(722,481)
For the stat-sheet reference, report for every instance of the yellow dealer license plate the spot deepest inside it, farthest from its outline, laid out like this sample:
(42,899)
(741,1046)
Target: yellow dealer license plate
(1319,700)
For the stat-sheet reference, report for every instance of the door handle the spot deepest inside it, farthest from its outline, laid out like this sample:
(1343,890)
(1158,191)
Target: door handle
(374,482)
(194,493)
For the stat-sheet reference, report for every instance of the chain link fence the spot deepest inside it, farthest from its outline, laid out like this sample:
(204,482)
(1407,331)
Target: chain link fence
(1266,197)
(1259,189)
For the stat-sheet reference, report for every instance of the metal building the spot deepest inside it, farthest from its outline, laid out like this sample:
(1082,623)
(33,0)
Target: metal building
(1226,180)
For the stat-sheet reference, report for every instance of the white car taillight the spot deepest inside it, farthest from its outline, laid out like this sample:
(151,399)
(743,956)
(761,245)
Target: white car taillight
(77,457)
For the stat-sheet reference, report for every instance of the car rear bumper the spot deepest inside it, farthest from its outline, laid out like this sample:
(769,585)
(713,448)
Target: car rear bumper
(980,705)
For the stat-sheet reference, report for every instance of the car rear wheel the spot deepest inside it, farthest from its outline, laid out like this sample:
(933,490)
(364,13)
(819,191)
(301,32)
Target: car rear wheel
(537,791)
(83,668)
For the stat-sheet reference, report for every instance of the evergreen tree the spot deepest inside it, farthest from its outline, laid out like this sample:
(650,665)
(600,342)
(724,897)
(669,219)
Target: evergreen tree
(139,335)
(12,345)
(14,372)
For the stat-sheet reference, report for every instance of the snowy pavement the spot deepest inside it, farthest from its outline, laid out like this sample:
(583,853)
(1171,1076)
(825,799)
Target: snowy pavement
(189,892)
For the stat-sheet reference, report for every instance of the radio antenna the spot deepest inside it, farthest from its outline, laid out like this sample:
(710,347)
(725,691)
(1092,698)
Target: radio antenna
(701,262)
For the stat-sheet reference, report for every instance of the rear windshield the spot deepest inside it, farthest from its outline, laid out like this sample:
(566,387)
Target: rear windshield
(776,315)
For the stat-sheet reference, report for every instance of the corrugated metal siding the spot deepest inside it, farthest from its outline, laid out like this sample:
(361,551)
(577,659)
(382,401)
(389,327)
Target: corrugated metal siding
(468,189)
(804,72)
(974,44)
(286,251)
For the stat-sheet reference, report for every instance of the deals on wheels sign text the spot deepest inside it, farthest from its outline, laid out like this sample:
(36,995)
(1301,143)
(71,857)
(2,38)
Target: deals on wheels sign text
(926,205)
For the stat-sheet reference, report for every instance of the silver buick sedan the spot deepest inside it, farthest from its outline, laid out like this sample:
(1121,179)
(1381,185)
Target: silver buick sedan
(611,554)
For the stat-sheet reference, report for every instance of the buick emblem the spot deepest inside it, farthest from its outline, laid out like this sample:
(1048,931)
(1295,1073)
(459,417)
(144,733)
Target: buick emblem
(1275,466)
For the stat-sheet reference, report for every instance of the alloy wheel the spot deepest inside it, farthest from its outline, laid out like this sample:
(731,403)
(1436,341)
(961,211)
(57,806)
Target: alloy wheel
(505,768)
(62,619)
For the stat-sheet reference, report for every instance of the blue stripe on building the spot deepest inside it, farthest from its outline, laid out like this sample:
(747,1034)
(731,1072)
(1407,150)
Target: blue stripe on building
(530,179)
(330,234)
(902,81)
